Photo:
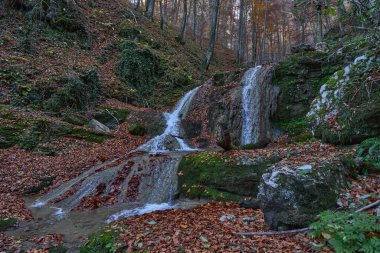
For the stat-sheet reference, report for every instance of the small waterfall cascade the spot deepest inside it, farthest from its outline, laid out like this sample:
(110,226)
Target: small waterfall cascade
(170,139)
(152,175)
(259,102)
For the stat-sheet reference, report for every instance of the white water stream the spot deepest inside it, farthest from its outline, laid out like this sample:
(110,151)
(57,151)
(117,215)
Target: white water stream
(159,182)
(251,112)
(159,144)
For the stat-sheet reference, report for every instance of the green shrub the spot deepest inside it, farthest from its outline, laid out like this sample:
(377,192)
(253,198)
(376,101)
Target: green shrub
(139,68)
(369,153)
(102,242)
(348,232)
(76,93)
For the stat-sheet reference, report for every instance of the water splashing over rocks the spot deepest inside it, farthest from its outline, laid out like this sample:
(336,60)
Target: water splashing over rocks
(171,139)
(259,104)
(149,180)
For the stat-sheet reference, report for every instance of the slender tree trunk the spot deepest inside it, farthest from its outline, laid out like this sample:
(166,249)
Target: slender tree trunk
(53,8)
(181,34)
(239,56)
(161,16)
(263,48)
(194,25)
(166,11)
(150,8)
(138,3)
(176,11)
(212,41)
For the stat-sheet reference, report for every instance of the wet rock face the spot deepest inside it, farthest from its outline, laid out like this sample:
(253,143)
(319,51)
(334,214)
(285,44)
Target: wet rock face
(226,113)
(293,198)
(259,105)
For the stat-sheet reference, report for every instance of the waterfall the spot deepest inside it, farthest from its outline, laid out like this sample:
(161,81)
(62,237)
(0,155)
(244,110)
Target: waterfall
(259,103)
(157,174)
(171,139)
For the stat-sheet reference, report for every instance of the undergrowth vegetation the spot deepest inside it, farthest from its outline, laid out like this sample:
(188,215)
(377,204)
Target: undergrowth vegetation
(369,154)
(348,232)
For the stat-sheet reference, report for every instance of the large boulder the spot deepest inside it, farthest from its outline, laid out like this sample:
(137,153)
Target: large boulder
(347,109)
(220,177)
(291,198)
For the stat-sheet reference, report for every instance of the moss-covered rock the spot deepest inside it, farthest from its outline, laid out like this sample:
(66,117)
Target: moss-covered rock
(293,198)
(76,93)
(139,68)
(137,130)
(214,175)
(33,134)
(300,77)
(111,117)
(347,110)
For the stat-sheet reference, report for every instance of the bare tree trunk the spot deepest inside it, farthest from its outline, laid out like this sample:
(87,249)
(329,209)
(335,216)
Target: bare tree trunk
(166,11)
(263,48)
(181,34)
(53,8)
(176,11)
(161,16)
(211,45)
(150,8)
(239,56)
(194,25)
(138,3)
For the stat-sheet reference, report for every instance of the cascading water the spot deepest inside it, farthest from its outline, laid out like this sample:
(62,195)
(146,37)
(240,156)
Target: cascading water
(250,112)
(157,174)
(259,104)
(164,142)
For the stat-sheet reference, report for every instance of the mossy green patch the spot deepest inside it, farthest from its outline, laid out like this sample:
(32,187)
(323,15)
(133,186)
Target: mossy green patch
(111,117)
(137,130)
(296,128)
(214,175)
(103,241)
(76,93)
(139,68)
(7,223)
(32,134)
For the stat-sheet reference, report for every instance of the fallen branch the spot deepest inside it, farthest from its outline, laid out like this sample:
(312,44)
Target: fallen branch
(302,230)
(372,205)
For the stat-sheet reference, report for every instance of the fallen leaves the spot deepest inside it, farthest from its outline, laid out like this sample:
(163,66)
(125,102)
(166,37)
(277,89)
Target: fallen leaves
(201,230)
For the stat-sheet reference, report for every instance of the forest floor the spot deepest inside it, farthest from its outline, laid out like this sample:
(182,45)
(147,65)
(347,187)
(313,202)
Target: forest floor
(202,229)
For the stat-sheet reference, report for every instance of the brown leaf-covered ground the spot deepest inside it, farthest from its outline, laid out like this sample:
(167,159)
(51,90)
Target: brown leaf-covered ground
(202,230)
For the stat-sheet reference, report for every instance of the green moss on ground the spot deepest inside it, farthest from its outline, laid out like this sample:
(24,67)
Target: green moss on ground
(76,93)
(215,176)
(32,134)
(103,241)
(137,130)
(7,223)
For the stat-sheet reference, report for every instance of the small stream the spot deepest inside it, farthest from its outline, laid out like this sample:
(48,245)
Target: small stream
(78,225)
(152,169)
